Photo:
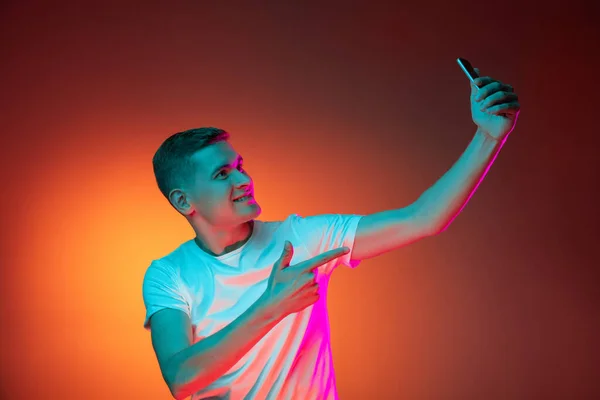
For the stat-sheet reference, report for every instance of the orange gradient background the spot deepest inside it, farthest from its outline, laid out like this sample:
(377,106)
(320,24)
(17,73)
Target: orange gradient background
(335,109)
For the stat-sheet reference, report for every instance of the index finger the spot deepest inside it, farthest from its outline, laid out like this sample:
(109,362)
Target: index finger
(482,81)
(321,259)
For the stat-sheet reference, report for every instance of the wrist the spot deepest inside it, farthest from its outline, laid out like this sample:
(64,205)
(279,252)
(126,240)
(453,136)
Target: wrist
(486,135)
(265,312)
(488,139)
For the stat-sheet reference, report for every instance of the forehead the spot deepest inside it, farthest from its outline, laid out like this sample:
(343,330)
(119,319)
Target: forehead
(213,156)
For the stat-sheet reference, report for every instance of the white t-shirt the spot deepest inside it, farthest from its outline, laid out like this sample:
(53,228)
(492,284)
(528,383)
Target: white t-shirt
(293,361)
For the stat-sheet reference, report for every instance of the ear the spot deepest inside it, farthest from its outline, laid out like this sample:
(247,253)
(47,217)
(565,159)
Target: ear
(179,200)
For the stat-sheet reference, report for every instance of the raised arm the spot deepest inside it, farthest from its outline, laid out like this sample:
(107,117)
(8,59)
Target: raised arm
(494,108)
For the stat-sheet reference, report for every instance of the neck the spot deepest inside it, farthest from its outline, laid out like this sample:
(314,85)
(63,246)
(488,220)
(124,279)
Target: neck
(218,241)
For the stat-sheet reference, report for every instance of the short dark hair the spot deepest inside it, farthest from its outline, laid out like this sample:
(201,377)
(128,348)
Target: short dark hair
(172,161)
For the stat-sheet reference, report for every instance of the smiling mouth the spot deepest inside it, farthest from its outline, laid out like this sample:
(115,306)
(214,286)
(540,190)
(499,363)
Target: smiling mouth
(243,198)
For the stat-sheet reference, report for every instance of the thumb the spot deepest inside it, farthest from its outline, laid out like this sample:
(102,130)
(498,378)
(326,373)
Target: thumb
(286,255)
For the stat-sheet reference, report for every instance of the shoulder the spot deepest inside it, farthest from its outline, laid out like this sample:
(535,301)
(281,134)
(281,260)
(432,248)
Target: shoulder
(161,272)
(180,260)
(169,266)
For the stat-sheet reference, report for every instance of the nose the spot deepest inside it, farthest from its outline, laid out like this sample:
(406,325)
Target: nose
(241,179)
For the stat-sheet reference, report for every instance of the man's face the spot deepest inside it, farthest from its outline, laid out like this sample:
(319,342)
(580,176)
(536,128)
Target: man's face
(219,184)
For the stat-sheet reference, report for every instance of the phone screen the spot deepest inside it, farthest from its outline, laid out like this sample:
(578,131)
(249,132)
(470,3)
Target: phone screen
(467,68)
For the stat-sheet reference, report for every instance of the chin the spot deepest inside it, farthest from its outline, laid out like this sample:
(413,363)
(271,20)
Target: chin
(256,210)
(249,214)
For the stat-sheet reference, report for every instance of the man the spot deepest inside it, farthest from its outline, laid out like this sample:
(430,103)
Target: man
(239,312)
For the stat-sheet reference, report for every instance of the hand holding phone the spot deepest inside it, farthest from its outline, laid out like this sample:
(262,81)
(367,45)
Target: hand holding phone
(468,69)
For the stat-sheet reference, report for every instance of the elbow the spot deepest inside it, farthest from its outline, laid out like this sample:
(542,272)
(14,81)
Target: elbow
(434,224)
(179,392)
(183,391)
(425,221)
(175,389)
(437,228)
(179,395)
(176,395)
(443,224)
(183,384)
(172,376)
(431,226)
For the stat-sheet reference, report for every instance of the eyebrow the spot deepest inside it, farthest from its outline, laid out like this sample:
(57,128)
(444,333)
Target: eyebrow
(239,160)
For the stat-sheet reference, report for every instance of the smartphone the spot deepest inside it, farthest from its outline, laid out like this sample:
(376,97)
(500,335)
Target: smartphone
(468,69)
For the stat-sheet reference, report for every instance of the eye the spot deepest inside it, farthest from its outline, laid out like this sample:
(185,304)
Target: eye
(222,173)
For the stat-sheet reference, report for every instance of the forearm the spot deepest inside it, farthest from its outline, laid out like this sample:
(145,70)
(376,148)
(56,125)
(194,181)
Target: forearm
(443,201)
(202,363)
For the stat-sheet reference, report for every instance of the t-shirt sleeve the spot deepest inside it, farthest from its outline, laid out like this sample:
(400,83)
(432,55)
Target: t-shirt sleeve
(321,233)
(161,289)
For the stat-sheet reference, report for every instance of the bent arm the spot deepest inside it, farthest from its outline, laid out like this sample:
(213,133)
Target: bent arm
(197,366)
